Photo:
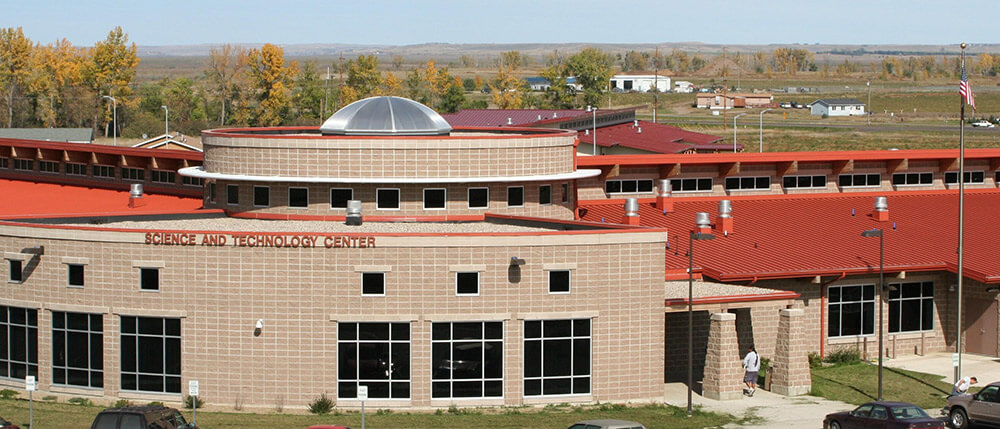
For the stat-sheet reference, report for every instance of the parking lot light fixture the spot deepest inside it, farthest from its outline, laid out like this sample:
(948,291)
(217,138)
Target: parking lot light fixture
(876,232)
(690,351)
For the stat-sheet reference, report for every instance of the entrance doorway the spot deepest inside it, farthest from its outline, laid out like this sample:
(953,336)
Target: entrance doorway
(981,334)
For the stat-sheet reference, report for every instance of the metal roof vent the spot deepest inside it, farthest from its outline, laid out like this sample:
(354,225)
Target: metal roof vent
(555,115)
(881,204)
(586,132)
(379,116)
(702,220)
(135,191)
(353,212)
(725,208)
(631,207)
(539,117)
(665,187)
(510,121)
(638,130)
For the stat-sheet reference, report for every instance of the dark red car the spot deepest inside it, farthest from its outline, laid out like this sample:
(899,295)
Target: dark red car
(4,424)
(889,415)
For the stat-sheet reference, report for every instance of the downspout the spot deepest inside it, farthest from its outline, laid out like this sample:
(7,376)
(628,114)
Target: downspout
(822,313)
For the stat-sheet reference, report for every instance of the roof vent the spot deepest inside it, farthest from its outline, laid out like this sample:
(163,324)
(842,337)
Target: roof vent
(588,108)
(638,130)
(539,117)
(135,191)
(881,212)
(555,115)
(703,222)
(725,221)
(510,121)
(353,212)
(663,200)
(586,131)
(635,123)
(725,208)
(631,211)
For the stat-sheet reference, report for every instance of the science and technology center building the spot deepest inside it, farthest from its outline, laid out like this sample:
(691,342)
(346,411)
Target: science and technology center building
(474,266)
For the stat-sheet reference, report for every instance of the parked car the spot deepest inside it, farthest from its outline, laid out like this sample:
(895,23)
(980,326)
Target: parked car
(981,407)
(785,105)
(4,424)
(141,417)
(883,414)
(607,424)
(985,124)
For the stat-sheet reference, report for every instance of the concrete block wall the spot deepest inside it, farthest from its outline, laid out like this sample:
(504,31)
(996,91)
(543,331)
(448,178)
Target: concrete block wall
(791,357)
(723,371)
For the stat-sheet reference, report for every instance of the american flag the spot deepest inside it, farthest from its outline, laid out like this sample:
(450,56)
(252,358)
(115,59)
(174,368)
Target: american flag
(966,91)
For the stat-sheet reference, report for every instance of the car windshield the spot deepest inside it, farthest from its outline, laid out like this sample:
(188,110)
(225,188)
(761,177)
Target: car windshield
(909,412)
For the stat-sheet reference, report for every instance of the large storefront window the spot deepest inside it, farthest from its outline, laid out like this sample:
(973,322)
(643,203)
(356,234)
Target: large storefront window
(18,342)
(376,355)
(467,360)
(556,357)
(77,349)
(151,354)
(911,307)
(852,310)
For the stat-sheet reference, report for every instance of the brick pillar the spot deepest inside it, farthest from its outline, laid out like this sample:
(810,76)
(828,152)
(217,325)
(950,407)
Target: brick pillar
(723,378)
(791,355)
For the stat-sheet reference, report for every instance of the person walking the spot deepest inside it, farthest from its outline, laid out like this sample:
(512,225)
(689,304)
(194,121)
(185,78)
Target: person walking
(752,365)
(962,386)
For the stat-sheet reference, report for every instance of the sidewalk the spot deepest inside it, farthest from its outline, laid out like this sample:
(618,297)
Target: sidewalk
(776,411)
(985,368)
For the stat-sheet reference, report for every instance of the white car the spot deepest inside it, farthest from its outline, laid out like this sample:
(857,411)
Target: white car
(985,124)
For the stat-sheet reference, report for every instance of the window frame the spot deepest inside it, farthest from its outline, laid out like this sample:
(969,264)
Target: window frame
(862,314)
(11,269)
(378,199)
(102,171)
(169,343)
(267,190)
(569,282)
(351,197)
(444,198)
(468,199)
(573,338)
(363,286)
(545,195)
(46,166)
(344,345)
(24,164)
(94,370)
(127,174)
(867,176)
(458,283)
(70,276)
(509,195)
(75,169)
(677,184)
(231,191)
(142,278)
(799,177)
(638,185)
(951,177)
(454,347)
(28,328)
(896,305)
(298,188)
(159,176)
(920,176)
(739,181)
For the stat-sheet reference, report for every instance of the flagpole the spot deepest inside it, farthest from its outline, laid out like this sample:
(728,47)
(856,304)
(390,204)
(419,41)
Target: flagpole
(961,223)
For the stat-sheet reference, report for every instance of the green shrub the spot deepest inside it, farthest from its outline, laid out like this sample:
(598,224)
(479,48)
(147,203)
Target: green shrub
(8,394)
(156,403)
(123,403)
(81,401)
(321,405)
(50,398)
(815,360)
(845,355)
(191,401)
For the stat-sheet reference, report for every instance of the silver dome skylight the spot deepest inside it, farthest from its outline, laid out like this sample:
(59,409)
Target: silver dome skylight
(380,116)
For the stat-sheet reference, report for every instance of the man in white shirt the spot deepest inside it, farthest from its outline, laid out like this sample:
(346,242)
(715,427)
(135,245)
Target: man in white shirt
(752,364)
(962,386)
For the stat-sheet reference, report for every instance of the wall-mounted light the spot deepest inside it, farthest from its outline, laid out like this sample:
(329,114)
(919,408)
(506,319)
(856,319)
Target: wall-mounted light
(258,327)
(993,289)
(516,261)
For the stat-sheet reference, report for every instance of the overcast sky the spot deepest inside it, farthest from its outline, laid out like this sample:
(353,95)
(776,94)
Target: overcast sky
(185,22)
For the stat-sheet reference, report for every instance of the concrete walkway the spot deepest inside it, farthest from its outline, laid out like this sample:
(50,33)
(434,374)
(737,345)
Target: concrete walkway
(771,410)
(985,368)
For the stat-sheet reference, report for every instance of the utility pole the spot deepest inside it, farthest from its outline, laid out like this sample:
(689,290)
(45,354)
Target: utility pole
(340,83)
(725,98)
(656,83)
(326,96)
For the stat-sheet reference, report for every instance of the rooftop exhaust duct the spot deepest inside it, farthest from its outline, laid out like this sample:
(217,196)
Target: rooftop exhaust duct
(724,222)
(353,212)
(631,211)
(703,222)
(881,212)
(663,200)
(135,196)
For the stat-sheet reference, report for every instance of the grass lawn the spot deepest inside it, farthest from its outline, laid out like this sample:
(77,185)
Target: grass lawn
(857,383)
(63,415)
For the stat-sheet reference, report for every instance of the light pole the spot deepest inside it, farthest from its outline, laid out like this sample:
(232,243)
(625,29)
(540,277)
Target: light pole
(594,135)
(114,107)
(734,130)
(762,112)
(876,232)
(166,121)
(692,236)
(869,106)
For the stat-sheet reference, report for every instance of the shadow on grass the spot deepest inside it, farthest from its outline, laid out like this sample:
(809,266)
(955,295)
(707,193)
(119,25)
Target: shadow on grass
(854,388)
(924,382)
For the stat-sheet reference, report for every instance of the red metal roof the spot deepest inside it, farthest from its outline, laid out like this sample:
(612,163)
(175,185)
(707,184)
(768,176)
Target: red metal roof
(791,236)
(773,157)
(653,137)
(498,117)
(37,200)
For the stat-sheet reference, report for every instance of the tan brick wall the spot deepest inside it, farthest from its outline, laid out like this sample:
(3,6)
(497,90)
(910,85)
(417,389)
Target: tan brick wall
(723,372)
(790,363)
(301,294)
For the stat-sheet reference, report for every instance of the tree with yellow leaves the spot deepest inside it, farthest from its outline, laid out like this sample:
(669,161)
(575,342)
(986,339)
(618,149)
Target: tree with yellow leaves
(15,66)
(224,74)
(55,68)
(271,81)
(110,70)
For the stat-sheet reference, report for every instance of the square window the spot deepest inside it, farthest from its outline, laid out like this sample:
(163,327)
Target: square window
(467,283)
(75,275)
(545,194)
(373,284)
(339,197)
(261,196)
(434,199)
(149,278)
(16,273)
(387,199)
(479,198)
(515,196)
(559,281)
(232,195)
(298,197)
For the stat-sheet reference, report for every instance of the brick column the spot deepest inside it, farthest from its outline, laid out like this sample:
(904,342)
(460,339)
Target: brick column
(723,369)
(791,355)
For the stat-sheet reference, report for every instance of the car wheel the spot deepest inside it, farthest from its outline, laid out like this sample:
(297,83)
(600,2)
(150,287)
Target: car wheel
(958,419)
(834,425)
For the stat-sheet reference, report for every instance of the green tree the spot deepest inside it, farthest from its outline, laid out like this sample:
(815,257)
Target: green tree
(309,92)
(635,61)
(271,80)
(110,71)
(15,67)
(363,79)
(508,88)
(512,59)
(559,95)
(592,69)
(453,99)
(224,75)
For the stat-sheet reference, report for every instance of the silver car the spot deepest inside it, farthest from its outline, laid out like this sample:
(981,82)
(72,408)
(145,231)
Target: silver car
(981,407)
